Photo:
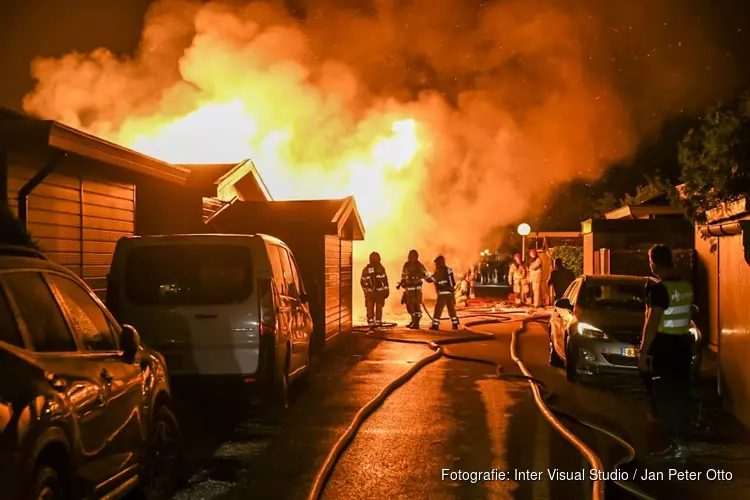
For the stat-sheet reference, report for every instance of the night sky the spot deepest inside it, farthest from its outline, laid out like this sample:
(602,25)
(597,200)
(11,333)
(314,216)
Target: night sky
(662,36)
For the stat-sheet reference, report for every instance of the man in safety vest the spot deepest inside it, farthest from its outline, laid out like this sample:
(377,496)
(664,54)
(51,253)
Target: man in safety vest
(445,285)
(375,285)
(413,274)
(666,345)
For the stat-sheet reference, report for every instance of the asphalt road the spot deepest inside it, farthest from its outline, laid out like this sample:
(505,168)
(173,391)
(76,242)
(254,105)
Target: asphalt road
(453,415)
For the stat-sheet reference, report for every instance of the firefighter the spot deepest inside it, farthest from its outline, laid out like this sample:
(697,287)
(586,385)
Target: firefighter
(535,277)
(413,274)
(375,285)
(666,350)
(517,278)
(445,285)
(462,290)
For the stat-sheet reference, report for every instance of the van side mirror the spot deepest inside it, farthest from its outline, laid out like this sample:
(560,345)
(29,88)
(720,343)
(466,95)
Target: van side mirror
(696,309)
(564,304)
(130,343)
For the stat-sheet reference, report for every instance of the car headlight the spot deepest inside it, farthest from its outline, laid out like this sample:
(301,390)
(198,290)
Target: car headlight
(694,333)
(590,331)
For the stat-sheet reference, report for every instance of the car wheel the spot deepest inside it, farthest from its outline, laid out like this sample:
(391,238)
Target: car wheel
(571,363)
(554,358)
(47,485)
(163,462)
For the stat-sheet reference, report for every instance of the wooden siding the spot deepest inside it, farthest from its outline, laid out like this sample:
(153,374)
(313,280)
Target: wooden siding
(75,220)
(345,285)
(332,286)
(338,286)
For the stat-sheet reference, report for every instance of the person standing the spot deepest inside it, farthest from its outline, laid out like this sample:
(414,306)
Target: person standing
(413,275)
(559,280)
(517,278)
(374,283)
(536,268)
(445,285)
(666,349)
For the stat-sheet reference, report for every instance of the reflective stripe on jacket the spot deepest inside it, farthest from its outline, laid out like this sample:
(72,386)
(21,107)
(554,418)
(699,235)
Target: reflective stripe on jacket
(445,282)
(676,318)
(374,278)
(413,274)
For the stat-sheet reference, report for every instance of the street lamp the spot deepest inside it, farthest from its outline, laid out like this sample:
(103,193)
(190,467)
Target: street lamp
(524,230)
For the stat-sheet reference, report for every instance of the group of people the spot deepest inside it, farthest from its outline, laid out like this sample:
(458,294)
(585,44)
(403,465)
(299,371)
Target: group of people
(526,279)
(375,286)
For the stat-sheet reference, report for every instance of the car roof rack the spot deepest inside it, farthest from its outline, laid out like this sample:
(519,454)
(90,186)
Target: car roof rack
(21,251)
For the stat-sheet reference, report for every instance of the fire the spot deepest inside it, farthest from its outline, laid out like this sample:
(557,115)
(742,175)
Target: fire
(227,132)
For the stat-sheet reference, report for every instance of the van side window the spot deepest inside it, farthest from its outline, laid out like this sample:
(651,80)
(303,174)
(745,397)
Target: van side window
(292,286)
(40,312)
(274,255)
(296,273)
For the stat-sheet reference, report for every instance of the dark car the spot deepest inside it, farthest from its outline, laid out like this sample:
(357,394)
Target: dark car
(596,326)
(84,407)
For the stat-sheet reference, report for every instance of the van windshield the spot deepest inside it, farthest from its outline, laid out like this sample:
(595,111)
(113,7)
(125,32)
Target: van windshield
(188,275)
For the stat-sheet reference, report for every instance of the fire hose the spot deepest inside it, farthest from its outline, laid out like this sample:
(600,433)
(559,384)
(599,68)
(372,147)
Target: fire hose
(541,393)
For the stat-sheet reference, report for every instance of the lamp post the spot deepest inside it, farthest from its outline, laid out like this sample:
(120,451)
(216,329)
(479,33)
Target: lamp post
(524,230)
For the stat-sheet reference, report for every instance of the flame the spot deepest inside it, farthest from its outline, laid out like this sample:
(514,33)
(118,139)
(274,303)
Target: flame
(227,132)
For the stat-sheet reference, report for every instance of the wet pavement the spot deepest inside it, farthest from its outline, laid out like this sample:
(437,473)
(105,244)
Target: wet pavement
(452,416)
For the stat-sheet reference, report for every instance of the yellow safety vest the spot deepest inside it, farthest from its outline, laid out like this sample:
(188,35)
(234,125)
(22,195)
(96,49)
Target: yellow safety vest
(676,318)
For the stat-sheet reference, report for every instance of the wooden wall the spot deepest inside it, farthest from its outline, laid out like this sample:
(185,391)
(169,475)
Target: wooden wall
(76,221)
(332,286)
(345,285)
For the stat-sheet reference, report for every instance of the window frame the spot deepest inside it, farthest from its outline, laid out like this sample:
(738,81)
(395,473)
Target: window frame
(30,346)
(296,275)
(113,325)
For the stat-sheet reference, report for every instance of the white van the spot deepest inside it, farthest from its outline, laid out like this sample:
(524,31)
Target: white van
(216,305)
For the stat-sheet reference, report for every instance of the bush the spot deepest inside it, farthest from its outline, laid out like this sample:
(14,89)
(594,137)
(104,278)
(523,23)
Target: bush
(12,230)
(572,257)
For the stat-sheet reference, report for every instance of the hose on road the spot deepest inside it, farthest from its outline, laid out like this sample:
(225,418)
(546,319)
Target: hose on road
(541,395)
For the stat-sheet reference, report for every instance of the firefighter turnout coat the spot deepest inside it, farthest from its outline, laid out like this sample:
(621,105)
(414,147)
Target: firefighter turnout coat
(374,280)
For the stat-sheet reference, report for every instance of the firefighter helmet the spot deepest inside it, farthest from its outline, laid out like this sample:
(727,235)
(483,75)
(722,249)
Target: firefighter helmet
(440,261)
(533,253)
(517,256)
(374,258)
(413,255)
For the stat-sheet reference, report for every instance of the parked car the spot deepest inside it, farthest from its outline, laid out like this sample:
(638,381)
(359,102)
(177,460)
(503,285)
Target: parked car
(84,407)
(232,307)
(596,326)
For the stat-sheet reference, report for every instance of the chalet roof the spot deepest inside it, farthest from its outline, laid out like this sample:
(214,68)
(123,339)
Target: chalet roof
(205,174)
(336,217)
(19,131)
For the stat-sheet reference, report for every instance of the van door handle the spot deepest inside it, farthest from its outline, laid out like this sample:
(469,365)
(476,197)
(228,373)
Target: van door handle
(106,376)
(206,316)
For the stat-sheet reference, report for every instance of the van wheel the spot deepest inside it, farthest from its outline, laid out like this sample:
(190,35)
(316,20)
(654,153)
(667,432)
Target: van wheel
(163,462)
(47,485)
(279,403)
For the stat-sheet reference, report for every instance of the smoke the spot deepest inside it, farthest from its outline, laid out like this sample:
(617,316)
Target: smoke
(508,99)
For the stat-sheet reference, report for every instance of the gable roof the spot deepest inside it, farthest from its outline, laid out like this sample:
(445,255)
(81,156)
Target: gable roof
(204,175)
(245,180)
(18,131)
(334,217)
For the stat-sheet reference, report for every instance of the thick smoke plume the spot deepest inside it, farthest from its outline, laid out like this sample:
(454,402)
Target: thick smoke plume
(445,118)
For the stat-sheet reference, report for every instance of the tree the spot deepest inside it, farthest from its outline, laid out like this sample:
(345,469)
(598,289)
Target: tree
(606,203)
(715,159)
(654,186)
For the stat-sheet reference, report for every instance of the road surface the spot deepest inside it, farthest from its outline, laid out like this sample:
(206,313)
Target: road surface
(453,416)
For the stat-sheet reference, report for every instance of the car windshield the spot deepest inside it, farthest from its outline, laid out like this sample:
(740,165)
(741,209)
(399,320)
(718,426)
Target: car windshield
(188,275)
(613,295)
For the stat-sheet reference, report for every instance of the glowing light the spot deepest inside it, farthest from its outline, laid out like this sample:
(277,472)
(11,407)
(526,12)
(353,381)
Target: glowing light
(524,229)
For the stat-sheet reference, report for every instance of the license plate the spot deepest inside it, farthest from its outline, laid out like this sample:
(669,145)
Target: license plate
(629,352)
